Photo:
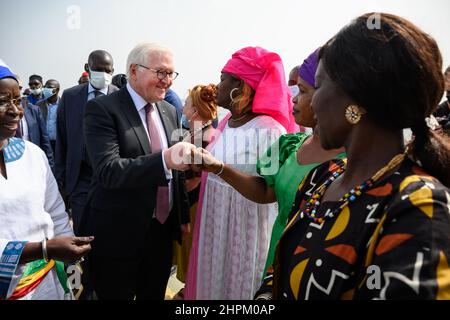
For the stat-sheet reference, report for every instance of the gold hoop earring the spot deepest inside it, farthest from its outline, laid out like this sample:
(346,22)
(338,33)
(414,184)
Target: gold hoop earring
(231,95)
(353,113)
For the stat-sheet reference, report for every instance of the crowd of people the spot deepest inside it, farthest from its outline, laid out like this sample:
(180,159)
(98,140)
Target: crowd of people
(120,179)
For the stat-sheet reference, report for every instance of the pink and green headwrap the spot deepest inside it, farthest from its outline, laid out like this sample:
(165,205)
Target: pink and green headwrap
(264,72)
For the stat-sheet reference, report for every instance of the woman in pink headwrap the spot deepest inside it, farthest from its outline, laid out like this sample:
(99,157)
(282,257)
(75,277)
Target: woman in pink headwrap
(231,234)
(286,162)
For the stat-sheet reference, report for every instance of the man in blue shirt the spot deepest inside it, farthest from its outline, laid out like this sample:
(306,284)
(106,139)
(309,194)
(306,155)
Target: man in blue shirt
(35,84)
(49,106)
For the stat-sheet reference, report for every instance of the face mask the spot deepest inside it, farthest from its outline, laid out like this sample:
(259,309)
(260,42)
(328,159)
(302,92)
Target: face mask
(100,80)
(184,121)
(36,92)
(294,90)
(47,92)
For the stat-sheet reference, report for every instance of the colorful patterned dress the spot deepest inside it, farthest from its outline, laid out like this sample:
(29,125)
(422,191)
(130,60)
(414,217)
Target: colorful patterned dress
(284,180)
(391,243)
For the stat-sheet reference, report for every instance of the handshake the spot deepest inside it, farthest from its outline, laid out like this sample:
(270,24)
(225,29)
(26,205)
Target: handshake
(184,156)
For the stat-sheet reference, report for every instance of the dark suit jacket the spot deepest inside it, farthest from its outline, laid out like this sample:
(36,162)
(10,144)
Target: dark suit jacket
(126,175)
(43,106)
(70,145)
(37,131)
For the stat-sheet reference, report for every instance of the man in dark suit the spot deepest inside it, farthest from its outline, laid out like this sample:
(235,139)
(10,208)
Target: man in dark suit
(72,169)
(32,128)
(137,202)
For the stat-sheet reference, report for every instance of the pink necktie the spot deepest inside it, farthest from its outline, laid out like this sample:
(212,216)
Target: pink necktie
(162,197)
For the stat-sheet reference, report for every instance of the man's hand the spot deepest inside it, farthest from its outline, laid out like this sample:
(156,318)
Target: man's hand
(178,157)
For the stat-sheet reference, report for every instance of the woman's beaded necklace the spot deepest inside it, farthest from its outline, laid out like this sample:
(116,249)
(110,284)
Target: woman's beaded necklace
(187,137)
(310,209)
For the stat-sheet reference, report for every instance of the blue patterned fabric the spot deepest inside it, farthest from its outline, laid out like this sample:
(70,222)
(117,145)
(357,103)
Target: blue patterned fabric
(8,264)
(14,150)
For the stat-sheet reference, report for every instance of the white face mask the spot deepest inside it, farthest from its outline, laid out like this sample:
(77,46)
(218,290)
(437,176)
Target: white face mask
(36,92)
(294,90)
(100,80)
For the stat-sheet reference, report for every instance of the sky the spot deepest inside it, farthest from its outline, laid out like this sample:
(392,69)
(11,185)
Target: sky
(53,38)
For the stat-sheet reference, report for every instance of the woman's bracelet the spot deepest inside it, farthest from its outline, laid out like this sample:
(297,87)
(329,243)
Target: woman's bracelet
(44,250)
(264,296)
(222,166)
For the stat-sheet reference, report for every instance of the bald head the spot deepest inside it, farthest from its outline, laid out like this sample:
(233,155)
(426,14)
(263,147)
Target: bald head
(52,83)
(99,56)
(293,75)
(101,61)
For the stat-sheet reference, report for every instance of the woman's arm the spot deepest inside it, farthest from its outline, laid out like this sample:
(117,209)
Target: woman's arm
(65,249)
(251,187)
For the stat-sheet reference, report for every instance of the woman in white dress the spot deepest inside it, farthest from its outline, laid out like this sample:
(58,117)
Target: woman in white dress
(231,235)
(35,234)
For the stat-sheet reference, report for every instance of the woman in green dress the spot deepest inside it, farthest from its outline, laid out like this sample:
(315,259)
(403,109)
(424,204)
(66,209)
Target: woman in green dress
(286,162)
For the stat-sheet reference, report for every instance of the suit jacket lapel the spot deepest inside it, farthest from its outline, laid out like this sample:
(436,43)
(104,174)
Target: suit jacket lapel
(84,95)
(129,109)
(44,110)
(111,89)
(28,116)
(169,126)
(79,116)
(30,120)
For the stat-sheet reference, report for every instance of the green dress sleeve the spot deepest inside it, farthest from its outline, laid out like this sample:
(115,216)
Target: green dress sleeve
(279,151)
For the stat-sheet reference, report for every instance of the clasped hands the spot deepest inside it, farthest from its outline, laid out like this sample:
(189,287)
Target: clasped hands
(186,156)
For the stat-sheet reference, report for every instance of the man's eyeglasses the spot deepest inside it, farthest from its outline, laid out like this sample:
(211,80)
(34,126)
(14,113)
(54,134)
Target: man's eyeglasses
(162,74)
(6,104)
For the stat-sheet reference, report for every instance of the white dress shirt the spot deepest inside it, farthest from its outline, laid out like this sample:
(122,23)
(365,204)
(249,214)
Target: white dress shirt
(91,89)
(140,104)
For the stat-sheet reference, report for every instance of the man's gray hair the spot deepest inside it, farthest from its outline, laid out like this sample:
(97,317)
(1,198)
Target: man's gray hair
(141,54)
